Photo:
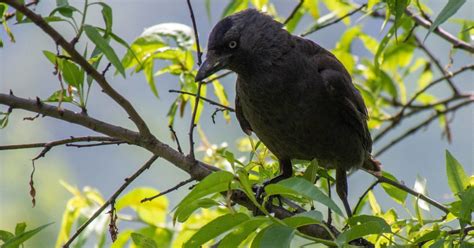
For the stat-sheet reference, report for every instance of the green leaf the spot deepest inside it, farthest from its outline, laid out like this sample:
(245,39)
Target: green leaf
(234,6)
(311,171)
(142,241)
(5,235)
(299,186)
(19,16)
(57,97)
(312,7)
(64,10)
(431,235)
(183,213)
(215,228)
(374,205)
(274,235)
(395,193)
(72,74)
(214,183)
(291,25)
(20,228)
(152,212)
(361,226)
(20,239)
(247,186)
(103,45)
(107,16)
(303,219)
(148,71)
(467,206)
(182,34)
(449,10)
(242,231)
(457,178)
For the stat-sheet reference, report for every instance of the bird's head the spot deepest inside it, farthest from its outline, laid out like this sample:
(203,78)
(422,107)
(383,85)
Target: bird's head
(237,41)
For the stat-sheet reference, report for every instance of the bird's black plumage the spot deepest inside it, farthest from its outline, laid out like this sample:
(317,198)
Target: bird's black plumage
(293,94)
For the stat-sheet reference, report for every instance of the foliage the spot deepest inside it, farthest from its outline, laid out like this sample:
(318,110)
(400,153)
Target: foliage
(207,214)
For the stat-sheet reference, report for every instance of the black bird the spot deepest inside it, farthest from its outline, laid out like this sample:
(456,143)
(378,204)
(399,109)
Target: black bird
(293,94)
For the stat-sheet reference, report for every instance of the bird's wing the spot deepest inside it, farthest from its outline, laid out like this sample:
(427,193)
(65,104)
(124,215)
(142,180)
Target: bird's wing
(339,85)
(244,124)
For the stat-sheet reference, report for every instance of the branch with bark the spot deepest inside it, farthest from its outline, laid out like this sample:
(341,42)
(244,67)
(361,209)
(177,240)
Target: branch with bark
(196,169)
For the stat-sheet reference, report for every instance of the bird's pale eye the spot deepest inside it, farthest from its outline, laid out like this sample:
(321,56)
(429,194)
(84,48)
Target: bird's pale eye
(232,44)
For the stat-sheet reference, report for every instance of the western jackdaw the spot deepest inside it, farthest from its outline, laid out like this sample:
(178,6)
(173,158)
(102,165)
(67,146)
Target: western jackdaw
(293,94)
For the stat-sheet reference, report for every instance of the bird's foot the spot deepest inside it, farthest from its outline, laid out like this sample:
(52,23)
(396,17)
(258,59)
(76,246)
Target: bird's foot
(260,194)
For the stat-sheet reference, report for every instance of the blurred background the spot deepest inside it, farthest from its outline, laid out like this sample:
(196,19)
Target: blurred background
(25,71)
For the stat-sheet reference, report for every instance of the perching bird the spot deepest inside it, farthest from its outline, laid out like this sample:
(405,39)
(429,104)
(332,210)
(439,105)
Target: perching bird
(293,94)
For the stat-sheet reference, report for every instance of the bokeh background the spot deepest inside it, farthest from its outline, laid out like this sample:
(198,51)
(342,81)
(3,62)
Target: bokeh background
(25,71)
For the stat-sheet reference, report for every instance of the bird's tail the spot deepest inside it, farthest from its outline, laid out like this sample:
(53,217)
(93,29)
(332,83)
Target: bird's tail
(372,164)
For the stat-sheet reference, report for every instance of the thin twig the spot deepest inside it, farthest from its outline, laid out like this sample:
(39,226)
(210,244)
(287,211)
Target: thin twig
(105,143)
(217,110)
(176,138)
(204,99)
(52,144)
(198,93)
(8,16)
(225,74)
(383,179)
(179,185)
(361,198)
(293,13)
(421,125)
(325,25)
(397,117)
(437,64)
(112,199)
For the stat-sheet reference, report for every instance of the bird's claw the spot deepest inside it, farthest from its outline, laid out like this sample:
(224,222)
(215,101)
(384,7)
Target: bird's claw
(259,191)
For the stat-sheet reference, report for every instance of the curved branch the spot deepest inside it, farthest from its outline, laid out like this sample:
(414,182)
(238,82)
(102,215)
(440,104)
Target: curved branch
(79,59)
(421,125)
(396,118)
(457,43)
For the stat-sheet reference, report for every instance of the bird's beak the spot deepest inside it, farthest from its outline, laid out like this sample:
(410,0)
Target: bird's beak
(211,65)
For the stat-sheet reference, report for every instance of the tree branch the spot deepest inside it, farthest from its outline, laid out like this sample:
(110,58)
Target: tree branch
(204,99)
(77,57)
(58,142)
(421,125)
(437,64)
(112,199)
(179,185)
(325,25)
(198,93)
(293,12)
(457,43)
(397,117)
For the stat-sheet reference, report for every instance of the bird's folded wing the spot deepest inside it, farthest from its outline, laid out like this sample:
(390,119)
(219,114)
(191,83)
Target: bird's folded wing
(244,124)
(341,90)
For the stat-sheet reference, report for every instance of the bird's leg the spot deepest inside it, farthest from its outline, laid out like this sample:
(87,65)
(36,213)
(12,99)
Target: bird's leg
(341,188)
(286,171)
